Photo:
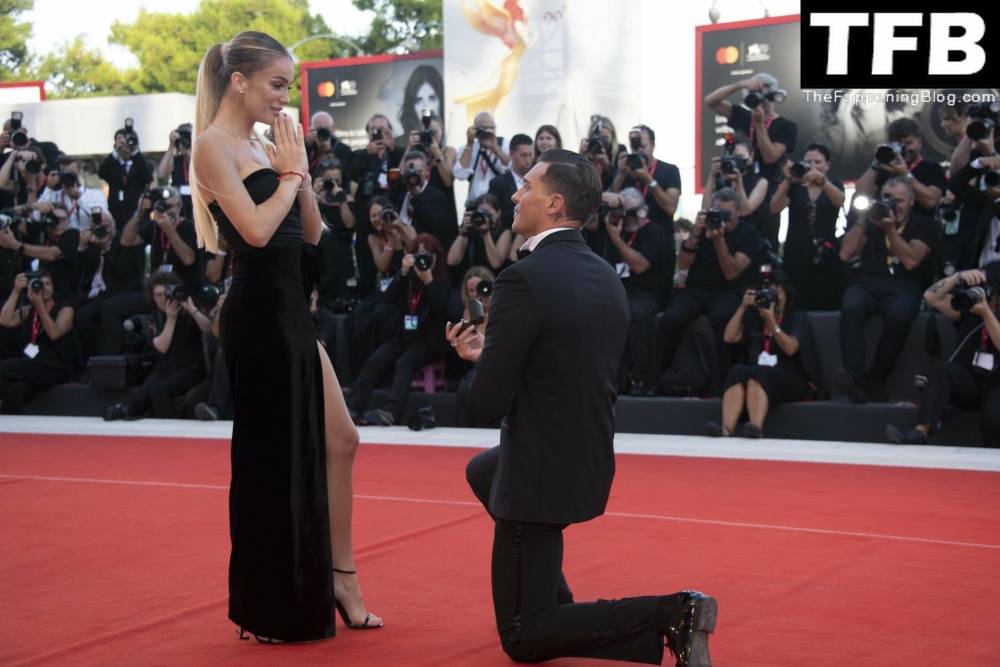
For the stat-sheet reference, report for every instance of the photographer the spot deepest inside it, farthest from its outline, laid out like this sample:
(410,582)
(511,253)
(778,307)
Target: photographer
(50,354)
(322,144)
(484,156)
(21,176)
(58,252)
(482,240)
(547,137)
(642,256)
(977,191)
(180,361)
(420,293)
(336,244)
(602,149)
(369,166)
(477,284)
(891,245)
(902,157)
(72,196)
(810,254)
(971,376)
(717,255)
(127,173)
(659,182)
(176,164)
(778,358)
(733,171)
(171,237)
(771,136)
(503,187)
(978,135)
(423,207)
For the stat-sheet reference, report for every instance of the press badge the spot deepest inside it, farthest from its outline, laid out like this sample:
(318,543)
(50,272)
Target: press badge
(622,269)
(121,196)
(410,322)
(984,360)
(185,190)
(765,358)
(31,350)
(166,268)
(383,284)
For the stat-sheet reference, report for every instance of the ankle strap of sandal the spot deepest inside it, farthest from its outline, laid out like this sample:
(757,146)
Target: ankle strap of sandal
(345,571)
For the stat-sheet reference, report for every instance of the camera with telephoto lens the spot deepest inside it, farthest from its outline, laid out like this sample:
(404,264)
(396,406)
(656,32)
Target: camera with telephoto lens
(426,134)
(131,138)
(178,293)
(765,295)
(480,218)
(597,142)
(35,283)
(49,221)
(323,134)
(422,261)
(887,153)
(68,179)
(732,164)
(339,198)
(882,208)
(756,98)
(485,288)
(964,297)
(985,116)
(183,140)
(18,135)
(799,169)
(483,132)
(412,177)
(377,134)
(635,161)
(716,218)
(947,214)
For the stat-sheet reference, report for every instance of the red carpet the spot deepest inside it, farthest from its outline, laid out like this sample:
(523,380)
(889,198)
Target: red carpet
(812,564)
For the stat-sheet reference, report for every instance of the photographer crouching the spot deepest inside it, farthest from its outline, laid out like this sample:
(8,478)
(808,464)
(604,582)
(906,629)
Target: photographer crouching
(180,361)
(482,239)
(779,362)
(971,376)
(51,353)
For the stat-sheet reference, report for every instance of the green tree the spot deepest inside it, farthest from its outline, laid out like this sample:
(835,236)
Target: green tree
(73,70)
(398,21)
(14,35)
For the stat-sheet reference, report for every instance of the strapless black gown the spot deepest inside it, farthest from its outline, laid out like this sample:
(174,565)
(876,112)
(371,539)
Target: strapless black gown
(280,578)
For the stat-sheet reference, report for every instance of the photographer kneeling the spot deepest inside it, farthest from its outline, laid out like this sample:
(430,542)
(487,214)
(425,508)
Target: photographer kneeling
(779,358)
(971,376)
(50,351)
(180,362)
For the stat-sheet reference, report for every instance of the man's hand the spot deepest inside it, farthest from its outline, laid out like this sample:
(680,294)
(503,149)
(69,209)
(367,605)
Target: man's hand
(8,240)
(21,282)
(752,84)
(757,117)
(898,166)
(749,297)
(162,220)
(36,298)
(972,277)
(614,229)
(468,344)
(767,314)
(172,308)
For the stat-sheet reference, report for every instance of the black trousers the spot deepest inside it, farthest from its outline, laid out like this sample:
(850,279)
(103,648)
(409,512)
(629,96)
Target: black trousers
(407,358)
(897,302)
(114,311)
(159,390)
(958,384)
(685,307)
(536,616)
(214,390)
(21,379)
(466,415)
(639,350)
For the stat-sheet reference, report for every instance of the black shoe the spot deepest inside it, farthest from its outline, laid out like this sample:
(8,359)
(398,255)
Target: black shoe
(366,625)
(714,430)
(379,418)
(898,437)
(851,385)
(751,431)
(688,640)
(206,412)
(115,412)
(637,388)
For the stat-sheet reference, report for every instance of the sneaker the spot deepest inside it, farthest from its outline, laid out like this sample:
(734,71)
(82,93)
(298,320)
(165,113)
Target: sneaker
(206,412)
(898,437)
(851,385)
(379,418)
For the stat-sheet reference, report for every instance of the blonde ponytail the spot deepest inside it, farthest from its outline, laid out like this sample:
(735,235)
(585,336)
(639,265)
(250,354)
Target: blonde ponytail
(211,88)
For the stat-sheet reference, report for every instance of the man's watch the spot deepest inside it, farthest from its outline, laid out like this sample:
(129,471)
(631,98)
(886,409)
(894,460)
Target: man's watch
(653,184)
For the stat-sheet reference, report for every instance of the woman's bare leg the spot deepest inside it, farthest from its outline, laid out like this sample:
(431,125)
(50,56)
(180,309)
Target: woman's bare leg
(757,403)
(341,446)
(732,407)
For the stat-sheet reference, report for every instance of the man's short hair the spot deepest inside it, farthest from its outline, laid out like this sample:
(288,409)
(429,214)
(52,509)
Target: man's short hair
(164,278)
(725,195)
(632,198)
(519,140)
(574,177)
(487,198)
(368,125)
(415,155)
(901,128)
(899,180)
(648,130)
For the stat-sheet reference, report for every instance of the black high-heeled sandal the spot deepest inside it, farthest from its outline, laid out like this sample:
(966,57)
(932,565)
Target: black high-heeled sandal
(343,612)
(245,636)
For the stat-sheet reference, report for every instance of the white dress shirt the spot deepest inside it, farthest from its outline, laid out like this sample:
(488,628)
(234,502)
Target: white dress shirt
(533,242)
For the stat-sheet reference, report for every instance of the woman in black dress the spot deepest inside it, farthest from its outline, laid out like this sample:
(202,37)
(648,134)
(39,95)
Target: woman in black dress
(293,442)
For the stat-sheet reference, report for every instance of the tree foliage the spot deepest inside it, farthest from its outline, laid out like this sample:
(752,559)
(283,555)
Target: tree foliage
(14,35)
(399,21)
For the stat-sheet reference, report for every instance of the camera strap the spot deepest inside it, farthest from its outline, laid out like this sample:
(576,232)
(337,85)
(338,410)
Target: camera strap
(888,249)
(753,141)
(36,327)
(913,166)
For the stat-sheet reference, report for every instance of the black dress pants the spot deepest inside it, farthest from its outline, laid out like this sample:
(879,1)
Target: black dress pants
(685,307)
(639,351)
(897,301)
(535,615)
(159,390)
(958,384)
(21,379)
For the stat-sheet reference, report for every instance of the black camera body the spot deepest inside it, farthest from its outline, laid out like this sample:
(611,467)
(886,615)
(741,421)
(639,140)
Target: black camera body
(422,419)
(882,208)
(388,215)
(339,198)
(799,169)
(480,218)
(426,135)
(323,134)
(18,135)
(732,164)
(485,288)
(178,293)
(597,143)
(991,179)
(964,297)
(377,134)
(985,117)
(412,177)
(716,218)
(183,140)
(161,206)
(483,132)
(35,283)
(9,219)
(422,261)
(948,213)
(208,296)
(756,98)
(766,295)
(887,153)
(68,179)
(635,161)
(49,221)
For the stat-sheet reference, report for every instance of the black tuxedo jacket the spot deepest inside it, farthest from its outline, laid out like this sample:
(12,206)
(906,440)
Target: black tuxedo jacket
(555,336)
(503,188)
(124,190)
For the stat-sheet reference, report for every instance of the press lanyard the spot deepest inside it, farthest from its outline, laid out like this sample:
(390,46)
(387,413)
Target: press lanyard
(165,244)
(36,328)
(632,235)
(768,336)
(415,300)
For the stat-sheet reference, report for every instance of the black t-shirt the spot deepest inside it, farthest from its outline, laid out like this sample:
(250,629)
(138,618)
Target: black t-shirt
(781,131)
(475,251)
(755,340)
(668,176)
(651,242)
(875,257)
(800,209)
(185,349)
(929,173)
(970,343)
(335,256)
(706,274)
(162,253)
(65,271)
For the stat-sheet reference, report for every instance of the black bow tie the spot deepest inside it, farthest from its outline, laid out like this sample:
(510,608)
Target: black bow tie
(522,253)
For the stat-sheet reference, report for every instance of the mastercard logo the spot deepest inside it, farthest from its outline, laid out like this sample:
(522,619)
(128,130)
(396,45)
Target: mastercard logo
(326,89)
(727,55)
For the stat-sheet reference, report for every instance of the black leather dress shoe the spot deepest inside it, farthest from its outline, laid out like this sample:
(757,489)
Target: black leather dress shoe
(688,640)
